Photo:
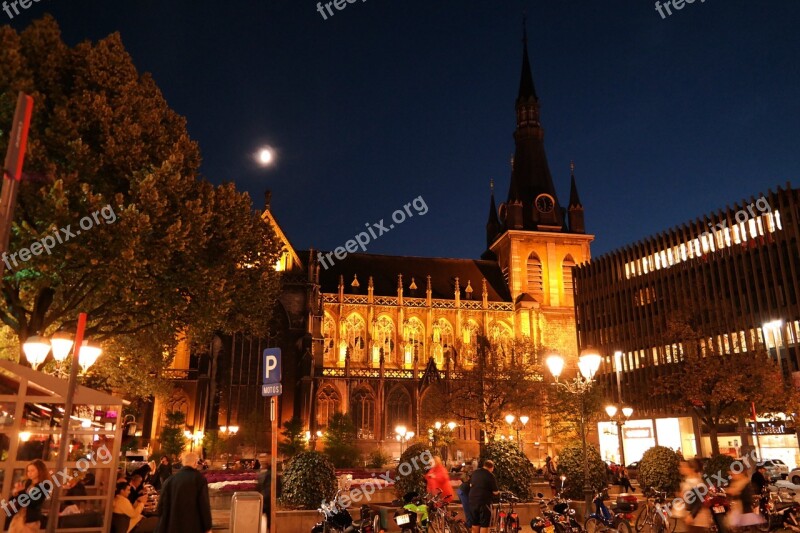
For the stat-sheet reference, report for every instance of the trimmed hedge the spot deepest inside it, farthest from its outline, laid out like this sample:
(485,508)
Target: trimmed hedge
(658,469)
(571,464)
(414,478)
(308,479)
(514,472)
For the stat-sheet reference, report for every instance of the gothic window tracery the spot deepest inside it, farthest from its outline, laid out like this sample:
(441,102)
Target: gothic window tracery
(329,339)
(384,338)
(353,334)
(328,403)
(398,409)
(363,408)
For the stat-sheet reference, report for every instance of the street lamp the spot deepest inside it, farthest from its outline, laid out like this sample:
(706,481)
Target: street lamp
(403,436)
(84,356)
(588,364)
(517,424)
(619,416)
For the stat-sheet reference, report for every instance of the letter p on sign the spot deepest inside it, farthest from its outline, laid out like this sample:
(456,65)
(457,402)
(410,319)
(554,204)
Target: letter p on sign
(272,373)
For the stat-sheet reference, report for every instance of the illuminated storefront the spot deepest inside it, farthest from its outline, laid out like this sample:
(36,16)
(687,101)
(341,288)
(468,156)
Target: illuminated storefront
(640,435)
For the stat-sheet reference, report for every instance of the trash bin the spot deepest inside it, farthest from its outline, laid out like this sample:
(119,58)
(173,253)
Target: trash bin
(246,512)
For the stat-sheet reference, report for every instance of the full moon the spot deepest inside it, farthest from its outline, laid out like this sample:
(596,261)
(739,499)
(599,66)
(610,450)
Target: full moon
(265,156)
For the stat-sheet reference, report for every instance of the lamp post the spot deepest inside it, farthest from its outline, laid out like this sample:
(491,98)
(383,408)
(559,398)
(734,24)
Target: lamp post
(517,424)
(619,416)
(588,364)
(403,436)
(84,356)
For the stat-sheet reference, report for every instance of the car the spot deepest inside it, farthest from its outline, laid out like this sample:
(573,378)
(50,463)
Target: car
(794,476)
(776,469)
(633,470)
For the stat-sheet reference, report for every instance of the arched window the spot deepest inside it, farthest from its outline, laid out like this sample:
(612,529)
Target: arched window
(399,409)
(566,275)
(535,280)
(363,409)
(177,403)
(353,333)
(384,338)
(443,340)
(414,337)
(469,342)
(329,338)
(328,404)
(502,338)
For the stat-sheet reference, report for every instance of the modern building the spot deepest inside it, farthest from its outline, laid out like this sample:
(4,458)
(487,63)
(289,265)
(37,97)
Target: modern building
(367,334)
(737,269)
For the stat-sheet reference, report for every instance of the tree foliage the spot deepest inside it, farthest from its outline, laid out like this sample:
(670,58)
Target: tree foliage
(507,378)
(566,410)
(571,465)
(174,254)
(719,385)
(338,439)
(308,479)
(172,439)
(513,471)
(294,438)
(658,469)
(411,478)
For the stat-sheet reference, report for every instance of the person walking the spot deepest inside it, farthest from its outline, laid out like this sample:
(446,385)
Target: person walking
(759,480)
(697,516)
(438,479)
(483,488)
(28,519)
(163,472)
(463,494)
(551,473)
(183,506)
(741,491)
(625,480)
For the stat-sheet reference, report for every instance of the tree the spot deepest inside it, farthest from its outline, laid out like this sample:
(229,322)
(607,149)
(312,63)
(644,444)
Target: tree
(165,254)
(565,411)
(506,378)
(338,439)
(172,439)
(212,444)
(658,469)
(294,438)
(253,430)
(717,386)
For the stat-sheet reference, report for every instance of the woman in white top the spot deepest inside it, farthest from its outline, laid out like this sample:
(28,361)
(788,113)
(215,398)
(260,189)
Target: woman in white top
(123,506)
(698,517)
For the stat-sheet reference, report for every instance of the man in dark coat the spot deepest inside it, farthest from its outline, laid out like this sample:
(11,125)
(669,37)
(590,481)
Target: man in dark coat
(183,505)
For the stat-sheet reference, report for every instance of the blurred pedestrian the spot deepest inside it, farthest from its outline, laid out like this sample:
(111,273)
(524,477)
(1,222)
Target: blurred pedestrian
(438,480)
(463,494)
(183,506)
(625,480)
(698,517)
(163,472)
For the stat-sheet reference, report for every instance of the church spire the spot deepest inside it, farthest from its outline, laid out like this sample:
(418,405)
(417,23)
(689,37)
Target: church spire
(576,223)
(493,226)
(531,189)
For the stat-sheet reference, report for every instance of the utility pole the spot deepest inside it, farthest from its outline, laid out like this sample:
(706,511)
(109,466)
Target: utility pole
(12,169)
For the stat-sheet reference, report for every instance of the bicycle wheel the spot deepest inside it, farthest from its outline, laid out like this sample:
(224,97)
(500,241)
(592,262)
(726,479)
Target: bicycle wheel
(593,525)
(376,523)
(672,522)
(765,525)
(643,519)
(622,526)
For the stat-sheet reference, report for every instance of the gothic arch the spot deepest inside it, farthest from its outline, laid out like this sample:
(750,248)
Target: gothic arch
(535,276)
(362,410)
(567,282)
(329,402)
(384,336)
(443,338)
(329,338)
(398,409)
(353,338)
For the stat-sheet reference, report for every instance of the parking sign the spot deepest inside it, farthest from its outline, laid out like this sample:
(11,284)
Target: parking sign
(272,373)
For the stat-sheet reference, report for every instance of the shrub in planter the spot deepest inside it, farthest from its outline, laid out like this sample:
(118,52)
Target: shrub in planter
(378,458)
(308,479)
(410,473)
(570,464)
(718,467)
(658,469)
(514,472)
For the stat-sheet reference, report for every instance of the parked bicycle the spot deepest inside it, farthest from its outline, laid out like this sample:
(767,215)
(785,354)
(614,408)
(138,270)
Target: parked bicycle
(441,519)
(655,517)
(772,507)
(604,519)
(506,520)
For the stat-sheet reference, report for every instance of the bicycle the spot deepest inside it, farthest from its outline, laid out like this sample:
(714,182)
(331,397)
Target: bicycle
(506,521)
(440,520)
(603,520)
(655,515)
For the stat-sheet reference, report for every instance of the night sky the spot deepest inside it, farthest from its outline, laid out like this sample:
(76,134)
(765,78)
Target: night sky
(388,100)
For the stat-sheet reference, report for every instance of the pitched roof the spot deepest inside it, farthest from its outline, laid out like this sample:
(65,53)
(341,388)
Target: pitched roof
(385,269)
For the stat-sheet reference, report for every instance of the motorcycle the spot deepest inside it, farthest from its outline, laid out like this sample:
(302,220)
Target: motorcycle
(558,512)
(719,504)
(777,509)
(413,515)
(337,519)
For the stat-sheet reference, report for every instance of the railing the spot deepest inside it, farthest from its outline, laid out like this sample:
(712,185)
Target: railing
(436,303)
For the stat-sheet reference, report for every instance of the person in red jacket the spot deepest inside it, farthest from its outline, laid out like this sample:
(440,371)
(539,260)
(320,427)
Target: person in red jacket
(438,478)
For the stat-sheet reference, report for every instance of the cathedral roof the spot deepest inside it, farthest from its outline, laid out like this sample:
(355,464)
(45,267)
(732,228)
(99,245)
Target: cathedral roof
(385,269)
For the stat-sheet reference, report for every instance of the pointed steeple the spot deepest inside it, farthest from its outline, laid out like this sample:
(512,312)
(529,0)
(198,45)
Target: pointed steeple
(531,189)
(575,216)
(493,226)
(527,90)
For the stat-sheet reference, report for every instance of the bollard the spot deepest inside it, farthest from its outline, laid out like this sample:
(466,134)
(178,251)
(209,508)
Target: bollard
(246,510)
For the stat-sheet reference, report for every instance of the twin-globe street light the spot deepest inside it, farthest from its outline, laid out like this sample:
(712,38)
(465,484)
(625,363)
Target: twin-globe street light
(619,417)
(84,355)
(403,436)
(588,364)
(521,422)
